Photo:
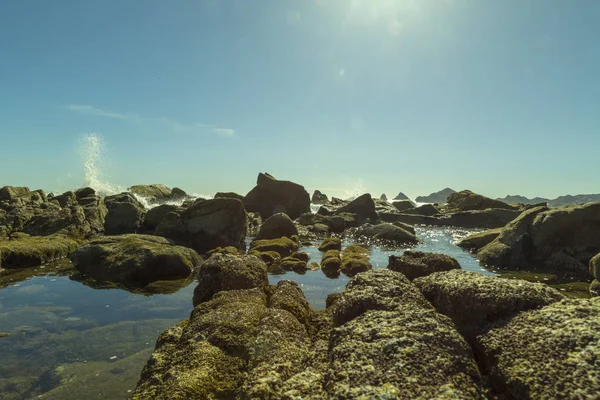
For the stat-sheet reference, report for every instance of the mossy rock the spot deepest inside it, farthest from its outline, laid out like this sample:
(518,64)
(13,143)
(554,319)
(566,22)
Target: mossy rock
(332,243)
(331,263)
(33,251)
(476,241)
(355,259)
(283,246)
(224,250)
(135,260)
(293,264)
(595,266)
(314,266)
(414,264)
(301,255)
(595,288)
(271,258)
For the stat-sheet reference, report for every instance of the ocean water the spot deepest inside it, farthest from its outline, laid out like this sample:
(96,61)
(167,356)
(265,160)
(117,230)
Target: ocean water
(66,338)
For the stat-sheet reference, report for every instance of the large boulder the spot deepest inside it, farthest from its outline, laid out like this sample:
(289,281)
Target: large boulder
(134,260)
(155,215)
(271,196)
(276,226)
(474,300)
(559,240)
(355,259)
(319,198)
(125,214)
(32,251)
(403,205)
(206,224)
(223,272)
(468,201)
(427,210)
(414,264)
(8,193)
(389,343)
(363,206)
(550,353)
(386,233)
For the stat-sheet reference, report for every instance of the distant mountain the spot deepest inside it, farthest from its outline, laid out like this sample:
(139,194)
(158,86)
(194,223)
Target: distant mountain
(523,200)
(437,197)
(401,196)
(559,201)
(383,197)
(577,199)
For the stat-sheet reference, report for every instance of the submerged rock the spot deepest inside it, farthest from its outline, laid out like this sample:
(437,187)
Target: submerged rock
(135,260)
(550,353)
(414,264)
(276,226)
(33,251)
(271,196)
(206,225)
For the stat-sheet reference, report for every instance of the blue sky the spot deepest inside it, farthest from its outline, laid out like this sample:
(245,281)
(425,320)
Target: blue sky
(381,96)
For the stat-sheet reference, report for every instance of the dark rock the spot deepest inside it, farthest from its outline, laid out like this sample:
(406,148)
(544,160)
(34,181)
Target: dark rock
(476,241)
(155,215)
(134,260)
(403,205)
(206,224)
(276,226)
(473,300)
(178,194)
(293,264)
(363,206)
(229,195)
(271,196)
(595,266)
(84,192)
(319,198)
(125,214)
(414,264)
(301,255)
(387,233)
(428,210)
(282,246)
(33,251)
(595,288)
(466,219)
(383,197)
(469,201)
(229,272)
(550,353)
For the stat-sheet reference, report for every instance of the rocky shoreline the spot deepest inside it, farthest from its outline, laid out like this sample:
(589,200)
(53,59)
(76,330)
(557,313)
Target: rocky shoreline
(422,328)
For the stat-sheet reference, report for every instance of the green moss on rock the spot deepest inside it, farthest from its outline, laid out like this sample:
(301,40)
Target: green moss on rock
(414,264)
(283,246)
(332,243)
(33,251)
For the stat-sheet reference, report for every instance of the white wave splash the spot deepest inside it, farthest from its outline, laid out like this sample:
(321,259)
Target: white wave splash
(91,151)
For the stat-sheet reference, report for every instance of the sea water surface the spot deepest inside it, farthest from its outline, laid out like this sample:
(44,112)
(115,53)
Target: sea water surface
(64,338)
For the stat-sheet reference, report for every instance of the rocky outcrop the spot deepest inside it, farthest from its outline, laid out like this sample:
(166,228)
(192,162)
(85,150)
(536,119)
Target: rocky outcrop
(383,197)
(331,263)
(388,342)
(427,210)
(276,226)
(155,215)
(468,201)
(550,353)
(206,224)
(403,205)
(125,214)
(561,240)
(332,243)
(79,215)
(474,301)
(386,233)
(283,246)
(32,251)
(436,197)
(222,272)
(476,241)
(363,207)
(271,196)
(319,198)
(355,259)
(492,218)
(414,264)
(134,260)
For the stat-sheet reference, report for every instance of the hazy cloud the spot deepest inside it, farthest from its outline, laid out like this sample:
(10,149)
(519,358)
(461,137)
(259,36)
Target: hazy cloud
(168,123)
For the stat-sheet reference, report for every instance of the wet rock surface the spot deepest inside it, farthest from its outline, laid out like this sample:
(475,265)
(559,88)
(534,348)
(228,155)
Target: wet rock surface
(414,264)
(35,250)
